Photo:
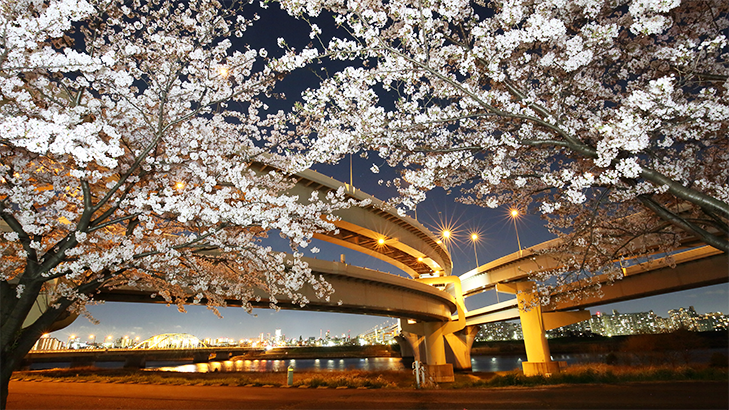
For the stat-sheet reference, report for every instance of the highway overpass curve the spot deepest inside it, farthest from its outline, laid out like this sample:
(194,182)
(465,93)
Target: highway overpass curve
(408,244)
(697,267)
(360,290)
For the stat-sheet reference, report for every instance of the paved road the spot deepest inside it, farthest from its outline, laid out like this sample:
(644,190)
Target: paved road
(69,395)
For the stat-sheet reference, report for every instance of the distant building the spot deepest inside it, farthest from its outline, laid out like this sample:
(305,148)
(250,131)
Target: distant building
(616,324)
(500,331)
(683,318)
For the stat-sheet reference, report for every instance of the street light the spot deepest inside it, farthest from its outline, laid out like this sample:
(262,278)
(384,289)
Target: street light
(474,239)
(514,213)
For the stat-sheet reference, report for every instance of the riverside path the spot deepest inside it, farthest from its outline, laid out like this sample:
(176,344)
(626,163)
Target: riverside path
(646,395)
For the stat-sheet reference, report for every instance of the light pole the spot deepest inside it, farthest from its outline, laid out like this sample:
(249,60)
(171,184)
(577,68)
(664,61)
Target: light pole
(446,236)
(474,239)
(514,213)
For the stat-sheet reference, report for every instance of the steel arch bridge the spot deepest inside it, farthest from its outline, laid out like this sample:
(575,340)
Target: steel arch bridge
(171,341)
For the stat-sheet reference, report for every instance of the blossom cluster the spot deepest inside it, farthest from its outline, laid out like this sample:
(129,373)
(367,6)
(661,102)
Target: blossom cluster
(589,111)
(137,152)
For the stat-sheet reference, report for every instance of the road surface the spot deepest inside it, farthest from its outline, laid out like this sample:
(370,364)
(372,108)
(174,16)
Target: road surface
(74,395)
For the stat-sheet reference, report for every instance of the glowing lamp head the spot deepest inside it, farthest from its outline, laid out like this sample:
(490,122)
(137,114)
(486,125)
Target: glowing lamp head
(179,185)
(514,213)
(474,236)
(223,71)
(420,259)
(381,241)
(446,234)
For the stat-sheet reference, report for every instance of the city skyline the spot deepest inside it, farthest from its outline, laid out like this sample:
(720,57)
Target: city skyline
(315,333)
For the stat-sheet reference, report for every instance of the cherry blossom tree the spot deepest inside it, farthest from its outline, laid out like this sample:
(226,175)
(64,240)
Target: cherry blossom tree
(608,117)
(135,152)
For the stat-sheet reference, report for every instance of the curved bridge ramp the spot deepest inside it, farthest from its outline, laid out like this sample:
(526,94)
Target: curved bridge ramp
(356,290)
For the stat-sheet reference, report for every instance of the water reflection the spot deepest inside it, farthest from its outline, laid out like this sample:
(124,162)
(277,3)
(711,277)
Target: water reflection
(478,364)
(328,365)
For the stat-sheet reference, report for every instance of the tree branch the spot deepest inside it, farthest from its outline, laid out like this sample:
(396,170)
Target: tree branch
(676,220)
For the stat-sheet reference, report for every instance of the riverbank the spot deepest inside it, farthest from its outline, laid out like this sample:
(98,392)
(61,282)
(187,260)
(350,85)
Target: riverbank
(592,373)
(680,340)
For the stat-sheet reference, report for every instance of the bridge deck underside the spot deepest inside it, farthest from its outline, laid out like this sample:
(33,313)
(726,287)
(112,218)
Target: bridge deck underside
(639,282)
(356,290)
(688,275)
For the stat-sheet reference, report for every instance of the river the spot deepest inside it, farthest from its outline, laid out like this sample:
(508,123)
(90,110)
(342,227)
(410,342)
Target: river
(478,363)
(486,363)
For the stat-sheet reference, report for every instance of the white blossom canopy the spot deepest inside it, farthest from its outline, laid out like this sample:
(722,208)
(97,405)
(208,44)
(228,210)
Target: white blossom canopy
(134,139)
(609,117)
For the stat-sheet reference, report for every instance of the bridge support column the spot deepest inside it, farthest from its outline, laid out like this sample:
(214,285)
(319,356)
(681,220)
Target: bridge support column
(434,343)
(458,348)
(201,357)
(534,324)
(431,337)
(427,341)
(410,347)
(538,361)
(437,333)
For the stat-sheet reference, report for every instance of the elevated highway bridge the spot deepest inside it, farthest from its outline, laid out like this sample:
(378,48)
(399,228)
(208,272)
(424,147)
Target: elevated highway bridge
(436,325)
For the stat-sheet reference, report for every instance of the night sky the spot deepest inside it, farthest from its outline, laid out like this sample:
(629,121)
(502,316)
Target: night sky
(496,238)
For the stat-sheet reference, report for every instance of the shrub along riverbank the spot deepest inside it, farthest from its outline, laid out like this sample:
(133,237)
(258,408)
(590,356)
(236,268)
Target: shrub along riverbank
(593,373)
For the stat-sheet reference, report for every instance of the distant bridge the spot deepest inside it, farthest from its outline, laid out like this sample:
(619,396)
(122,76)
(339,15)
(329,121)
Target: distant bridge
(137,358)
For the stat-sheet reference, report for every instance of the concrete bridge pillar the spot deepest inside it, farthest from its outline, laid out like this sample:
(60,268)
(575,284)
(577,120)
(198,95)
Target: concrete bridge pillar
(538,361)
(201,357)
(411,347)
(426,340)
(434,343)
(458,347)
(535,323)
(439,348)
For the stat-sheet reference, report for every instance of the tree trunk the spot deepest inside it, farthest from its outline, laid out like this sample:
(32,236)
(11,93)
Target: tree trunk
(16,346)
(9,363)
